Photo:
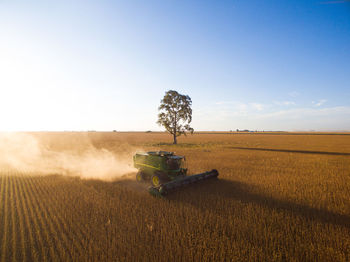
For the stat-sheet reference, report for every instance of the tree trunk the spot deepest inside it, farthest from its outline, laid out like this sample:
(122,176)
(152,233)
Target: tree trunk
(175,127)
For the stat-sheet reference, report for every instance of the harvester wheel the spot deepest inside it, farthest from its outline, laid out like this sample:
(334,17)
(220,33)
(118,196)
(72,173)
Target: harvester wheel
(140,177)
(155,180)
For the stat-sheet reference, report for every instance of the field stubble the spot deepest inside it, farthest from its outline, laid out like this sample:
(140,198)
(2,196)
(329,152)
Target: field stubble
(290,203)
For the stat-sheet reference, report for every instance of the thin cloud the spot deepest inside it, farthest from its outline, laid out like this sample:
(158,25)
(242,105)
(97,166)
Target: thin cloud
(257,106)
(245,116)
(241,107)
(303,112)
(237,108)
(293,94)
(284,103)
(223,102)
(320,102)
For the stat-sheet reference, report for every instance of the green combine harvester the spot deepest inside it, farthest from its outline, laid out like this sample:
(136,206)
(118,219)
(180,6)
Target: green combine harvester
(165,171)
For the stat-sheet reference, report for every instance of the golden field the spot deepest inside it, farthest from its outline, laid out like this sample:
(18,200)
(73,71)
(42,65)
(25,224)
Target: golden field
(279,197)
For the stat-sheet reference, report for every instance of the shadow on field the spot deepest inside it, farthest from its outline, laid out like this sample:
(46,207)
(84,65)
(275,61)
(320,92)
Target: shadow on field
(212,190)
(207,194)
(292,151)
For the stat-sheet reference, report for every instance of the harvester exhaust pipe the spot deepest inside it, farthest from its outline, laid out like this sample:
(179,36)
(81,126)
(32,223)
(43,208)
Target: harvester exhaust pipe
(165,188)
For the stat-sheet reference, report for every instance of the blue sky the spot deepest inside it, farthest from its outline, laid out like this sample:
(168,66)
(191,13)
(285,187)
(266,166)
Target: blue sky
(104,65)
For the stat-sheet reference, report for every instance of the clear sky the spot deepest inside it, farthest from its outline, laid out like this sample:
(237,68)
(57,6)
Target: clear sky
(104,65)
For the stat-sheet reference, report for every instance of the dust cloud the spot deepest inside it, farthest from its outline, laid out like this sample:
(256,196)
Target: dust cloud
(76,156)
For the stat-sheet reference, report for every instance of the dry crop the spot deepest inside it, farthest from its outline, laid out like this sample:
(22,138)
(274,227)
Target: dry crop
(279,197)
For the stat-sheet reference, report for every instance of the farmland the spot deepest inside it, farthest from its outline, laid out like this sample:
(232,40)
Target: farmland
(279,197)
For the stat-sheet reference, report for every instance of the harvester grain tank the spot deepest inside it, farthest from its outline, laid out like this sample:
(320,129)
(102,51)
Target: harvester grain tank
(165,171)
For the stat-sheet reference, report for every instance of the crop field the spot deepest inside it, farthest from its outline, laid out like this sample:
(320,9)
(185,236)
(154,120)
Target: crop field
(279,197)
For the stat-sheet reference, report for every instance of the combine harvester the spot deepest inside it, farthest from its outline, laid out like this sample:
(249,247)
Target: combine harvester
(165,171)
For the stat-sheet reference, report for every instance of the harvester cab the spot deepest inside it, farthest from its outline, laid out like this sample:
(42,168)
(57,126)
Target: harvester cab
(166,171)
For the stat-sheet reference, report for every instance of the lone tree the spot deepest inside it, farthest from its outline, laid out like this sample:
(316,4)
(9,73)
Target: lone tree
(175,114)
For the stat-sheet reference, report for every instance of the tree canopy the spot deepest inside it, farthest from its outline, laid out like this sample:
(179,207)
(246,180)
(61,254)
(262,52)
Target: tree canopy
(175,113)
